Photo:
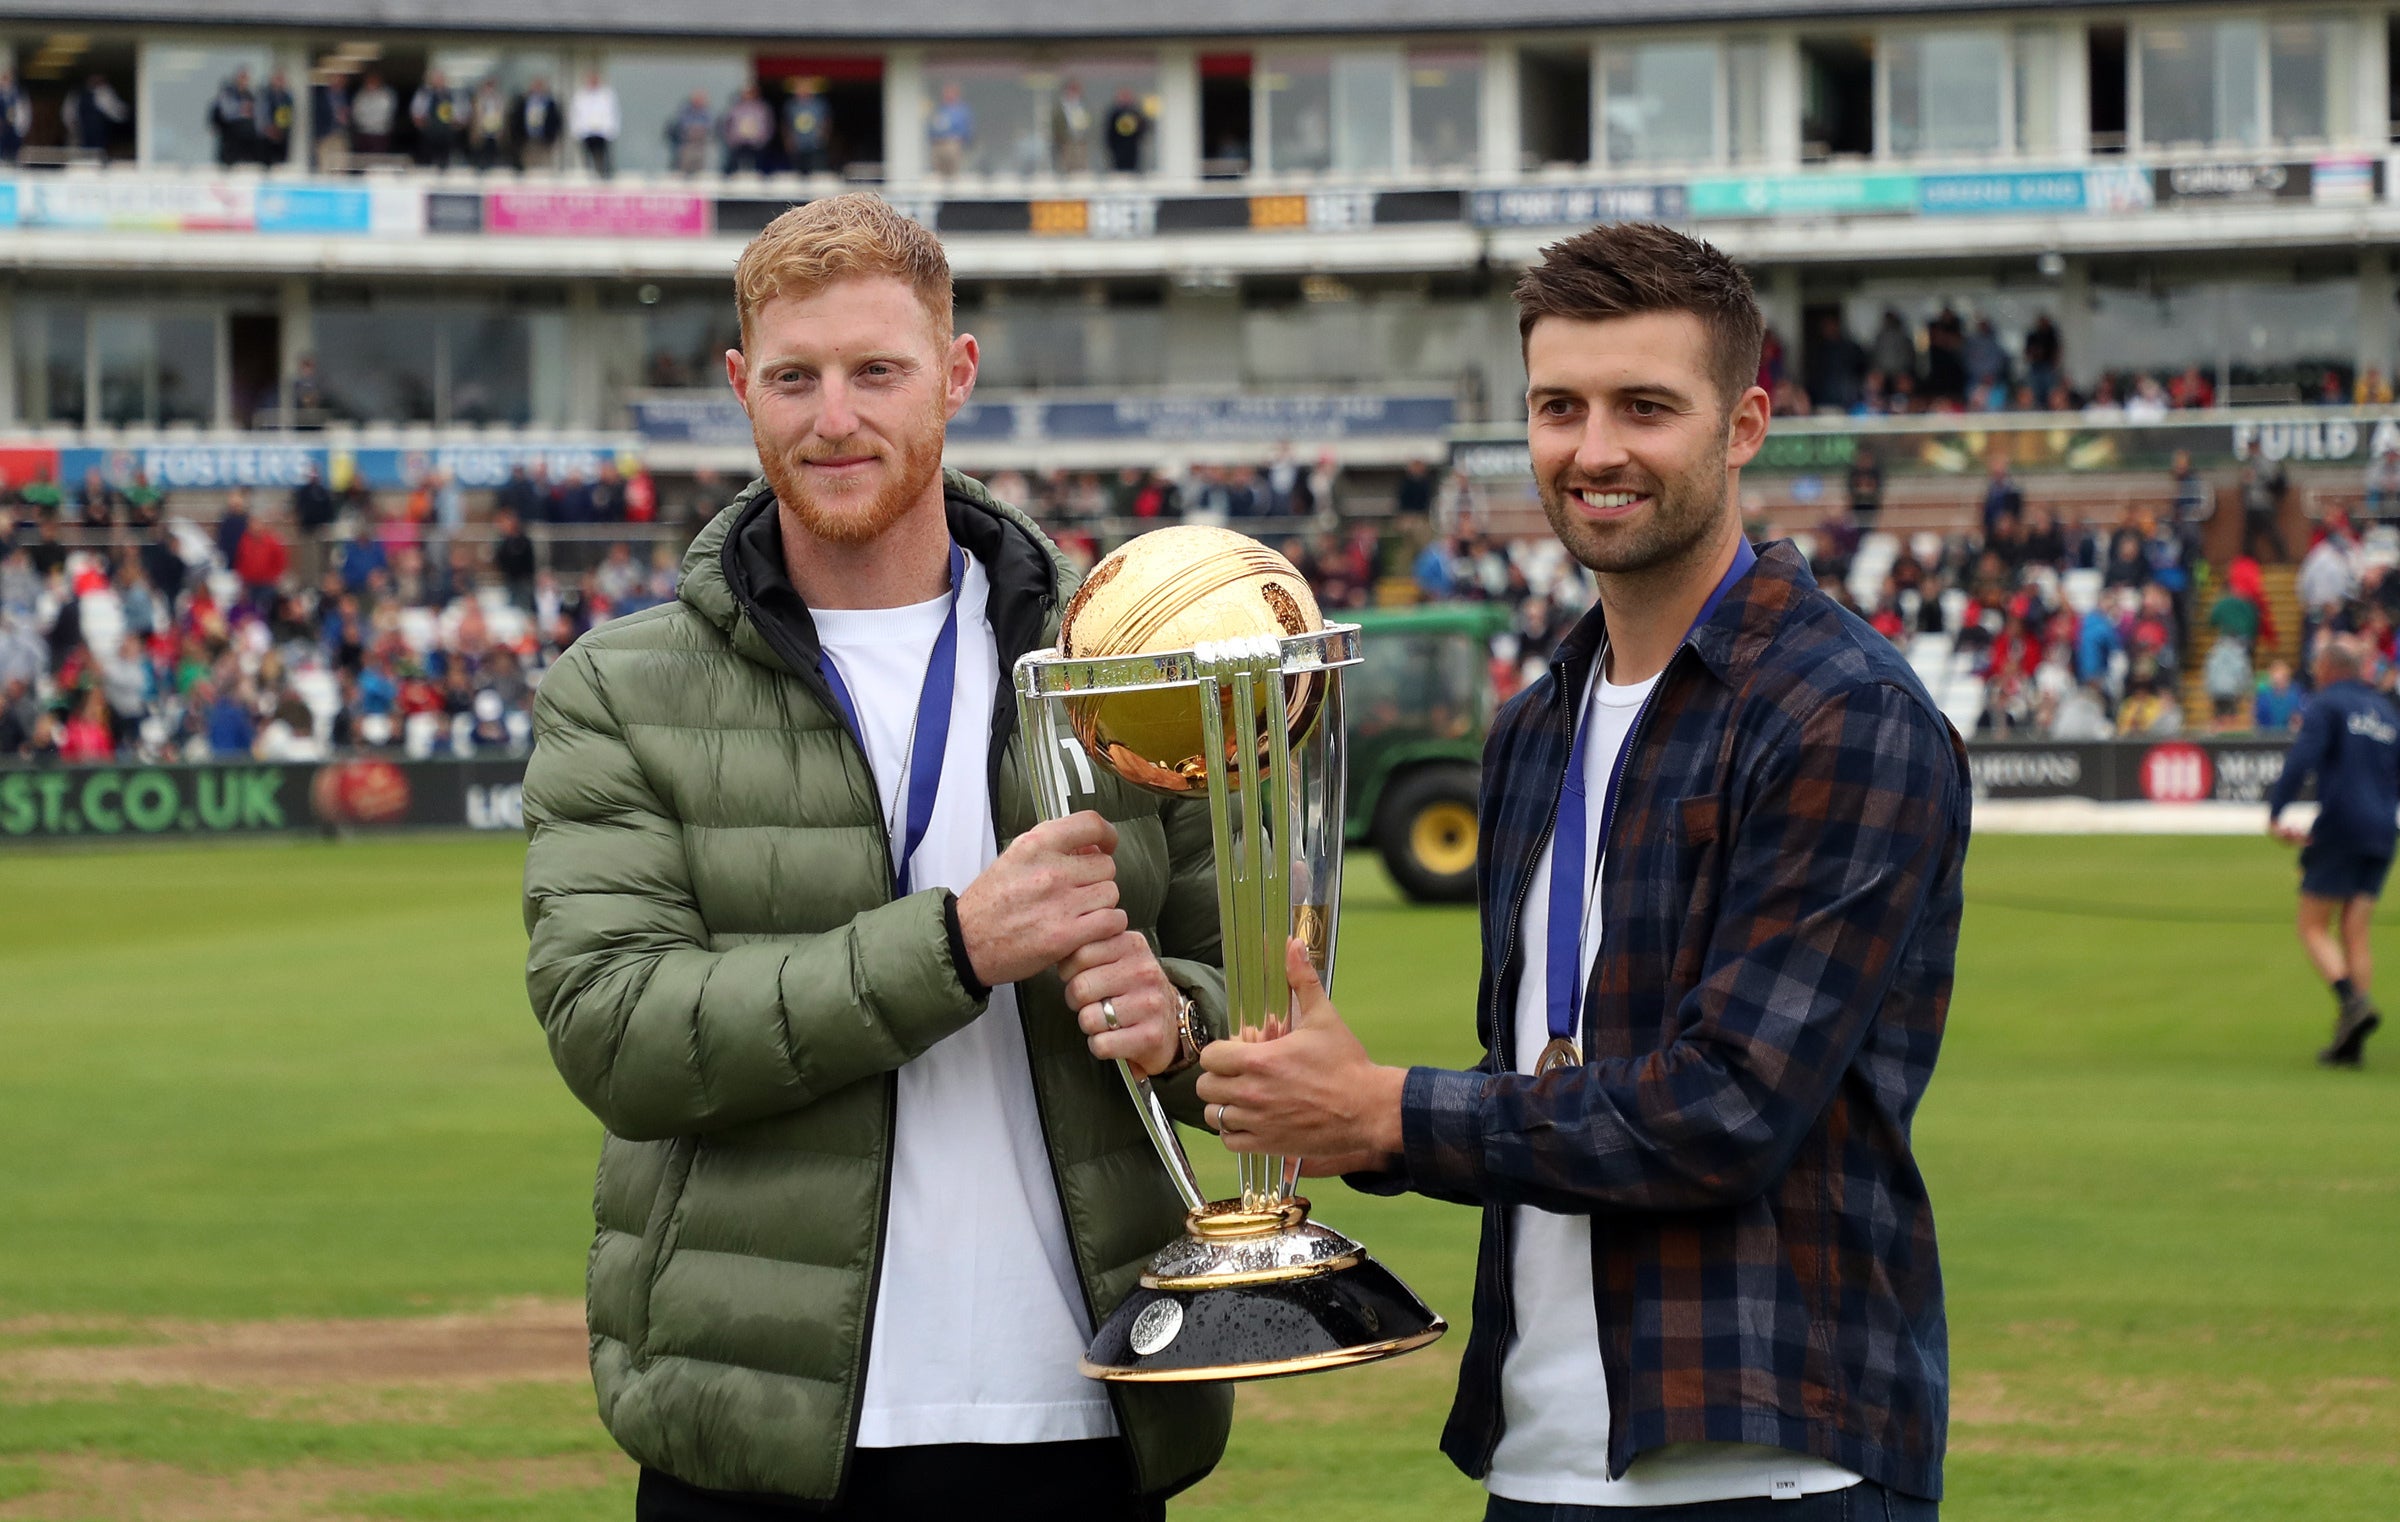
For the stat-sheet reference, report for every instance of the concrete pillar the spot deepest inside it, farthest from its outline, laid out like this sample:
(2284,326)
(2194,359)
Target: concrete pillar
(1782,307)
(2370,124)
(1500,135)
(2375,312)
(584,360)
(295,337)
(904,108)
(2074,60)
(9,406)
(1783,103)
(292,58)
(1179,114)
(145,114)
(2074,316)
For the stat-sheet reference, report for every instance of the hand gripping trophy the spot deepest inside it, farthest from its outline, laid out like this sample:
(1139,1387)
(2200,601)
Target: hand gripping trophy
(1194,662)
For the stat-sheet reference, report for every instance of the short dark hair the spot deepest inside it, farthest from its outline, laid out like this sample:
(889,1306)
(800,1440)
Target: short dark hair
(1622,269)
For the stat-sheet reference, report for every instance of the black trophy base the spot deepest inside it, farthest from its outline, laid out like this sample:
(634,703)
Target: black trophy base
(1356,1313)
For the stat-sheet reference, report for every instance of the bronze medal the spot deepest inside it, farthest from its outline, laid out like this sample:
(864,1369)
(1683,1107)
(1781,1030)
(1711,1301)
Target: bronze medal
(1560,1053)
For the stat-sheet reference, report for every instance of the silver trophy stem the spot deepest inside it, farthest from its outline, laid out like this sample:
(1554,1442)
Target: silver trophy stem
(1043,753)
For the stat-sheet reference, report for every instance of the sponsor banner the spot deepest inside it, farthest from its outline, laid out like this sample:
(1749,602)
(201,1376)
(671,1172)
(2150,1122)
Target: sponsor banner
(689,417)
(20,463)
(453,212)
(2234,182)
(1395,206)
(315,209)
(113,203)
(2204,769)
(2354,181)
(595,214)
(8,203)
(477,467)
(1577,205)
(199,467)
(258,798)
(2049,445)
(2013,192)
(1203,214)
(1799,195)
(984,217)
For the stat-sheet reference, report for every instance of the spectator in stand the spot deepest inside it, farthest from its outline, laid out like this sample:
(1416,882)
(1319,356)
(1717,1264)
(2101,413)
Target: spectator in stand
(1863,482)
(259,562)
(2001,494)
(1945,374)
(2149,402)
(950,133)
(748,130)
(1987,367)
(689,132)
(594,120)
(1836,367)
(1071,130)
(374,115)
(434,112)
(487,127)
(2372,389)
(2232,686)
(96,117)
(275,119)
(607,500)
(89,735)
(16,118)
(2383,482)
(2189,492)
(2263,486)
(2277,710)
(1128,129)
(2148,709)
(1892,358)
(513,558)
(2192,390)
(2044,356)
(1414,496)
(2242,609)
(2328,579)
(329,123)
(537,124)
(233,118)
(807,128)
(312,507)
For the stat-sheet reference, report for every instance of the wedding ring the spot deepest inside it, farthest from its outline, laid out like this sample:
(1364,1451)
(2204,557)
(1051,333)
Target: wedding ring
(1108,1013)
(1218,1125)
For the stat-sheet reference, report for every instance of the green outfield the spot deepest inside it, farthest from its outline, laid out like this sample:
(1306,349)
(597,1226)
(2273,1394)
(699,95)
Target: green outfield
(259,1102)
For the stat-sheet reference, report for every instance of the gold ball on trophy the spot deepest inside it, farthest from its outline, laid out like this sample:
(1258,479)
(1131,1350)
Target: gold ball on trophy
(1167,590)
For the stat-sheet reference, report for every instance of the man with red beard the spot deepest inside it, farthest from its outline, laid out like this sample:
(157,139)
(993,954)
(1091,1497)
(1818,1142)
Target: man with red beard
(1721,849)
(801,943)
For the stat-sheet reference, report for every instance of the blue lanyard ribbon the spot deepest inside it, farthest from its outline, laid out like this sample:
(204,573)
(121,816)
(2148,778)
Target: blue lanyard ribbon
(1568,876)
(932,732)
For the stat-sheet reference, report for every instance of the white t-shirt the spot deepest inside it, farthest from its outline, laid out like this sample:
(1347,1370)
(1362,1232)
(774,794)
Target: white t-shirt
(1553,1387)
(978,1315)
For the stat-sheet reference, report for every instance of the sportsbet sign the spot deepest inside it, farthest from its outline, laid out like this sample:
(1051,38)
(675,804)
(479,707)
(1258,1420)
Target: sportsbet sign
(112,802)
(191,800)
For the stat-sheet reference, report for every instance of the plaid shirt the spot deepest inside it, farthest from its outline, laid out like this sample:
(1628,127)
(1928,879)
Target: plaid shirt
(1781,900)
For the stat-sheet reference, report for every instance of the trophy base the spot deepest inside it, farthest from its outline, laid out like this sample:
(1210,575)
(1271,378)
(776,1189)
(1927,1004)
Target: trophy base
(1258,1295)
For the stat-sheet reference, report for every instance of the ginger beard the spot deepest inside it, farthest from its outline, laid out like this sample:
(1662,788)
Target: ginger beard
(1686,508)
(861,513)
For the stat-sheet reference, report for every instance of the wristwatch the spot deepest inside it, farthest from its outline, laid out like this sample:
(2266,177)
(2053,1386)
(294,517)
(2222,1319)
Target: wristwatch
(1187,1036)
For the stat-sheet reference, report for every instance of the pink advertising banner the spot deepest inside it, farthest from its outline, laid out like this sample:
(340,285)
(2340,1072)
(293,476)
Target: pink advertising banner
(595,214)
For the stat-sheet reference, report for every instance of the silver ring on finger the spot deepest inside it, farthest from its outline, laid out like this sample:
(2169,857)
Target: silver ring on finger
(1108,1013)
(1220,1120)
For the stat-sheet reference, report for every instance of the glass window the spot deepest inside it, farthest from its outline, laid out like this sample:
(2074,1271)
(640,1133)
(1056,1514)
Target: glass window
(684,339)
(652,87)
(2263,332)
(1366,99)
(2035,60)
(178,84)
(2200,84)
(1295,93)
(1660,103)
(1445,109)
(1066,339)
(1945,90)
(1746,100)
(155,368)
(2307,80)
(489,367)
(985,118)
(50,362)
(376,363)
(1028,116)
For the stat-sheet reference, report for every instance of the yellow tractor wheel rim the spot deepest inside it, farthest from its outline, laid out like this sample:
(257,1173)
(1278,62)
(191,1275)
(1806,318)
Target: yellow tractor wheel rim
(1442,838)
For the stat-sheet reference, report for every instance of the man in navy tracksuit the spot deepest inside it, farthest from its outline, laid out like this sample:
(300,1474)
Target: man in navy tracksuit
(2350,739)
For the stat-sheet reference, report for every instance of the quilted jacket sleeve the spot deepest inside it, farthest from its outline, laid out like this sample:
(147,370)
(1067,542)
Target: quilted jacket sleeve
(1190,948)
(657,1034)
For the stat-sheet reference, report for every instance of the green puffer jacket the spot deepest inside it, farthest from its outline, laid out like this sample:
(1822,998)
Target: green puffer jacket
(728,983)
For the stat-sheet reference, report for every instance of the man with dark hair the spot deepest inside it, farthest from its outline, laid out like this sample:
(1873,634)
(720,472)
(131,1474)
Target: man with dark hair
(1722,846)
(2350,742)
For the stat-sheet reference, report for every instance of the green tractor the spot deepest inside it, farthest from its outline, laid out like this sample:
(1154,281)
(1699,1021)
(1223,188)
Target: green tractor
(1419,707)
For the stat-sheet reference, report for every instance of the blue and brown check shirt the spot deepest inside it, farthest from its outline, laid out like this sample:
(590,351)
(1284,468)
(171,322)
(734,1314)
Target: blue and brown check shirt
(1780,902)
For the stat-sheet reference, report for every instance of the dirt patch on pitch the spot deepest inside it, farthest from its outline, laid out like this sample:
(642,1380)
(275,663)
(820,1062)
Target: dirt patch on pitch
(526,1340)
(114,1490)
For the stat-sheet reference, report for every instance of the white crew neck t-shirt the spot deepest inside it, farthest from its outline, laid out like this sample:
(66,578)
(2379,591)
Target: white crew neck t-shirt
(978,1316)
(1553,1386)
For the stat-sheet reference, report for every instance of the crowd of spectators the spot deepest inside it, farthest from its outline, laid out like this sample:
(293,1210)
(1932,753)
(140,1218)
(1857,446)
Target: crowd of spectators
(1950,365)
(94,120)
(293,629)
